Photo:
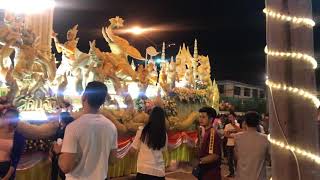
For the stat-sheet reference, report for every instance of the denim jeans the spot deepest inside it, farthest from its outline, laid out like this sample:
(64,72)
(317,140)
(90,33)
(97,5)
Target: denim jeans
(231,160)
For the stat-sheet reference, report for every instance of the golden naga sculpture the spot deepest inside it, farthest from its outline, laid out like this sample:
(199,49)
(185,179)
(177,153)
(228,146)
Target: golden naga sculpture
(128,119)
(120,50)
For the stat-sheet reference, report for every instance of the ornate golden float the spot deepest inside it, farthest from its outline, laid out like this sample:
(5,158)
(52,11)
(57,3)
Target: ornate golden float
(181,84)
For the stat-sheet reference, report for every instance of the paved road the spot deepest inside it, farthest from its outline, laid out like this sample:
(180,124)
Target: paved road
(183,173)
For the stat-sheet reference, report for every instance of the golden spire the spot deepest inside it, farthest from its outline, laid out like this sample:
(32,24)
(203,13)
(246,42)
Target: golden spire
(184,47)
(163,53)
(195,51)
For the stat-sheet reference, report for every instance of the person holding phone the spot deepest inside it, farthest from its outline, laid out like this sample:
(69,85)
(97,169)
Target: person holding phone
(65,119)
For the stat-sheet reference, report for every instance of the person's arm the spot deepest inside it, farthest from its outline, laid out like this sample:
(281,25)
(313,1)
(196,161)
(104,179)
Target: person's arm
(165,148)
(17,150)
(113,157)
(56,42)
(67,162)
(209,159)
(67,159)
(9,173)
(37,131)
(136,142)
(268,151)
(235,149)
(237,127)
(113,153)
(227,132)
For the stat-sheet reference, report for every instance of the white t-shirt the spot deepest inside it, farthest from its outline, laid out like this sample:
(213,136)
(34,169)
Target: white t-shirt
(150,162)
(252,149)
(229,127)
(91,137)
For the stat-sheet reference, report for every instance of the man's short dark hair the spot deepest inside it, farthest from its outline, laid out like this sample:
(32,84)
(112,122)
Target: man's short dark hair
(232,113)
(212,114)
(252,118)
(96,93)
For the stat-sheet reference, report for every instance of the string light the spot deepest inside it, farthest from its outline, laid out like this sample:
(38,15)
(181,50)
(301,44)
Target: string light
(294,90)
(292,19)
(293,55)
(309,23)
(294,149)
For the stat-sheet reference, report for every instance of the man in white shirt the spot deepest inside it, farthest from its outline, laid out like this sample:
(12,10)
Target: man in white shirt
(251,150)
(230,129)
(90,142)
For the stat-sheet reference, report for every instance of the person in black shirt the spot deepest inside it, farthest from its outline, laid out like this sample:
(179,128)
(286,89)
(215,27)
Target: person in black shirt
(65,119)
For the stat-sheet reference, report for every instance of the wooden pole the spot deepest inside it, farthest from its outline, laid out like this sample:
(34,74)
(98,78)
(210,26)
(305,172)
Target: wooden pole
(292,117)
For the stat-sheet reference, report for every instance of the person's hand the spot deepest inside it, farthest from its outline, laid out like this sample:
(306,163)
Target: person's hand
(235,126)
(57,148)
(54,34)
(195,163)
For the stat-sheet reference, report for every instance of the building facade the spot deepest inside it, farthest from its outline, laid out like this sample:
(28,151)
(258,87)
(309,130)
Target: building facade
(235,89)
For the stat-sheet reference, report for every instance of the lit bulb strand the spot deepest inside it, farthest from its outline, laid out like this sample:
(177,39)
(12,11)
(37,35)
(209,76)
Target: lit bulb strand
(294,149)
(292,55)
(295,91)
(292,19)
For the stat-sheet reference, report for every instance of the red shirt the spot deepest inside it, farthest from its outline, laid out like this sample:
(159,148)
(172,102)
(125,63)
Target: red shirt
(212,170)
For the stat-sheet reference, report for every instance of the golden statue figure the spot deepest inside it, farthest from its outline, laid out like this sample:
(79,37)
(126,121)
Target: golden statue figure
(101,69)
(204,70)
(31,69)
(73,61)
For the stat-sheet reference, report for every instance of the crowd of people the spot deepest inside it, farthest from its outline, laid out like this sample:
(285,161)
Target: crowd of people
(242,139)
(86,145)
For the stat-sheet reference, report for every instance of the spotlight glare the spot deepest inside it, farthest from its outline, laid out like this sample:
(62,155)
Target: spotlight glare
(26,6)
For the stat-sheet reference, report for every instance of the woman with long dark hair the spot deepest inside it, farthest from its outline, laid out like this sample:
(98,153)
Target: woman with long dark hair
(11,144)
(151,141)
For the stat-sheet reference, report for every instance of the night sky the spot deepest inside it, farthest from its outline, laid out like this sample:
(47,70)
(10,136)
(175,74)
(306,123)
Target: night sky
(232,33)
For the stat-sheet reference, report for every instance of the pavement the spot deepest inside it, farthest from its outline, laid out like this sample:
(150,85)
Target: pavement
(183,171)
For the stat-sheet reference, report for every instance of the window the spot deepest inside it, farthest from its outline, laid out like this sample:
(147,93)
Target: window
(247,92)
(254,93)
(237,90)
(262,95)
(221,89)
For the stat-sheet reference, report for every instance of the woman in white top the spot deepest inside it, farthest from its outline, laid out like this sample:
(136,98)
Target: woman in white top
(150,142)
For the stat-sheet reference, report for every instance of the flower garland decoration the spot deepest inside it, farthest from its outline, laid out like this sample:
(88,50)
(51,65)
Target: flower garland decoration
(139,104)
(170,107)
(42,145)
(201,85)
(193,95)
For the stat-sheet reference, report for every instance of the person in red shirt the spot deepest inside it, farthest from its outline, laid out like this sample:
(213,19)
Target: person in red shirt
(210,143)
